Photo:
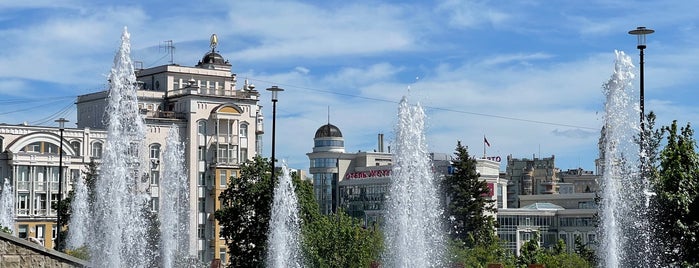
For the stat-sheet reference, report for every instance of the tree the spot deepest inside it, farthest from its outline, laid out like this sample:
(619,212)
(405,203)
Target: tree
(245,213)
(677,193)
(468,202)
(64,206)
(334,240)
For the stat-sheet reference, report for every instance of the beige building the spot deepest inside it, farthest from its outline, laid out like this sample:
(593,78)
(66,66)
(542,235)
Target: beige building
(220,123)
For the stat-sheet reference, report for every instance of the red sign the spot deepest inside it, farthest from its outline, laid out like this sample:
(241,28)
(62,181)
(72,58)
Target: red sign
(368,174)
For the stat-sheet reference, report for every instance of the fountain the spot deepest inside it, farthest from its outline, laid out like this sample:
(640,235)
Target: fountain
(283,239)
(119,234)
(174,199)
(7,206)
(79,218)
(413,233)
(625,228)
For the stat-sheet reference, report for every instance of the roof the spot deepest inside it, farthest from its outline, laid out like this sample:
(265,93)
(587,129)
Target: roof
(543,206)
(327,131)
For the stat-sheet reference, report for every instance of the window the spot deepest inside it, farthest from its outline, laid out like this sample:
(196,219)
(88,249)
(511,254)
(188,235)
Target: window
(23,204)
(155,151)
(154,177)
(40,228)
(202,179)
(202,127)
(22,231)
(54,203)
(200,231)
(201,153)
(40,204)
(75,145)
(222,254)
(202,205)
(154,203)
(243,154)
(97,150)
(223,178)
(243,130)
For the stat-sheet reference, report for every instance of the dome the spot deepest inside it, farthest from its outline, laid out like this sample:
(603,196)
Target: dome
(213,58)
(328,130)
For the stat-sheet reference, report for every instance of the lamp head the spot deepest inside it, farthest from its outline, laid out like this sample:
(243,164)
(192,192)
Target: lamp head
(640,33)
(275,90)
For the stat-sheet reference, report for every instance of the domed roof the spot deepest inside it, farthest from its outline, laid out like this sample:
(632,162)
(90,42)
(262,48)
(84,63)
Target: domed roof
(328,130)
(213,58)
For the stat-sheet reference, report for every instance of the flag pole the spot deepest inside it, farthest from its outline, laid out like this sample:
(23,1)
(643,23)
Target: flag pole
(484,142)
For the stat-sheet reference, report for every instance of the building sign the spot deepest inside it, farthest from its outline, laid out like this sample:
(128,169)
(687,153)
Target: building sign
(494,158)
(368,174)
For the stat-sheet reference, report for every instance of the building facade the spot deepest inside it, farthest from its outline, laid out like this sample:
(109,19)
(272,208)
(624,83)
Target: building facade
(29,159)
(220,123)
(359,182)
(530,176)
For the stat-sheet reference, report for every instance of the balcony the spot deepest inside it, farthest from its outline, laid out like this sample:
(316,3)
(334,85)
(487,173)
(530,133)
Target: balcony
(40,186)
(23,186)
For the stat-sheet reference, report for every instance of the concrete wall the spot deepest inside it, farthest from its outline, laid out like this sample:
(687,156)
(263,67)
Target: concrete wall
(19,253)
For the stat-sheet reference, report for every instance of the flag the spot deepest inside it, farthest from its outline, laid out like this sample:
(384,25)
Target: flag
(486,141)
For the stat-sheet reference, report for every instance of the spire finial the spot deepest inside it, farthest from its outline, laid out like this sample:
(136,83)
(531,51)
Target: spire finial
(214,42)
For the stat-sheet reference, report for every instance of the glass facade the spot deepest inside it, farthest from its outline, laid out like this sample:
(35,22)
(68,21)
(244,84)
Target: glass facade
(324,187)
(360,201)
(329,143)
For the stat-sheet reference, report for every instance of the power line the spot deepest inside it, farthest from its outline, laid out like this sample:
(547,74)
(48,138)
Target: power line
(431,107)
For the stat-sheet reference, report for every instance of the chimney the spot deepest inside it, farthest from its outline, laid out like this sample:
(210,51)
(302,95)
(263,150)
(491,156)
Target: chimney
(380,143)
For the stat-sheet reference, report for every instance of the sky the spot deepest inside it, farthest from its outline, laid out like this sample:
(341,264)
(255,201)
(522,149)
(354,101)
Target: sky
(527,75)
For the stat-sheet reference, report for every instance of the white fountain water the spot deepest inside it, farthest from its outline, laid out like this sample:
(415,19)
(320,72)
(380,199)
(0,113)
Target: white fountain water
(119,234)
(7,206)
(174,199)
(284,234)
(625,227)
(79,225)
(413,231)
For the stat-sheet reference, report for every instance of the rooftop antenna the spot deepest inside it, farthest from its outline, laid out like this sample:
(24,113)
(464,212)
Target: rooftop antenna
(328,114)
(169,48)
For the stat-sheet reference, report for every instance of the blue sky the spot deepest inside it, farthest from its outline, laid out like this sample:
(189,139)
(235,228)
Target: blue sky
(526,74)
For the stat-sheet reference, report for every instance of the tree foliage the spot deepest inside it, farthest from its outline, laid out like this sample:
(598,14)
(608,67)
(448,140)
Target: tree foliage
(468,202)
(677,197)
(64,206)
(244,216)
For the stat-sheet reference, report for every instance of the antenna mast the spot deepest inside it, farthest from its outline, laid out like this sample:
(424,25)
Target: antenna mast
(170,48)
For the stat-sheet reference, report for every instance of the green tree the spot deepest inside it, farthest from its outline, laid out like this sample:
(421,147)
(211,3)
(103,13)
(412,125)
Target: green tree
(531,252)
(468,202)
(584,252)
(677,193)
(244,216)
(480,255)
(333,240)
(64,206)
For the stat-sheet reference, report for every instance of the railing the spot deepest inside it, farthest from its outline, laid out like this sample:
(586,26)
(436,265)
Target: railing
(23,185)
(23,212)
(40,186)
(40,212)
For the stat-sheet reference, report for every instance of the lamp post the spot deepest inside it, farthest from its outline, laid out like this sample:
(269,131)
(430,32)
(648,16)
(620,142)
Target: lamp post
(640,33)
(275,90)
(61,125)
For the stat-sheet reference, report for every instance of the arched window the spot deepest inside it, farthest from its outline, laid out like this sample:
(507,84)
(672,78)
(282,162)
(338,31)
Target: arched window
(243,130)
(76,147)
(97,149)
(155,151)
(202,127)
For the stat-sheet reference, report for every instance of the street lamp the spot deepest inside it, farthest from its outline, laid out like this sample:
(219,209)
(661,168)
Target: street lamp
(61,125)
(275,90)
(640,33)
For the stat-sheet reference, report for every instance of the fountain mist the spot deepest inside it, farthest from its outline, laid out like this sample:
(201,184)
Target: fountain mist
(174,201)
(79,217)
(7,206)
(625,227)
(119,237)
(413,234)
(283,240)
